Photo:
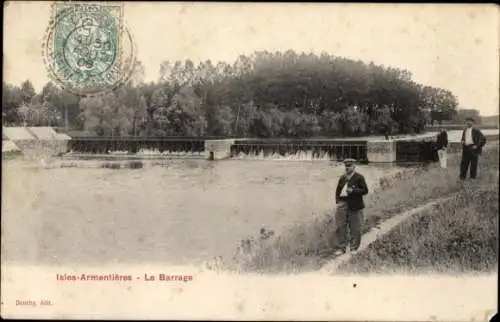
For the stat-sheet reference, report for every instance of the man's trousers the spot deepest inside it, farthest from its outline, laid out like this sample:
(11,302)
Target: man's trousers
(469,160)
(351,220)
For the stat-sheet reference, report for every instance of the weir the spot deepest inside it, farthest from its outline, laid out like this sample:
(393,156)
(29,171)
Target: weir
(416,150)
(218,149)
(307,150)
(381,151)
(421,148)
(407,149)
(137,145)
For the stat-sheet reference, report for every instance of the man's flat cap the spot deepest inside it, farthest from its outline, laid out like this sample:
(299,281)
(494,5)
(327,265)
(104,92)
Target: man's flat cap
(470,119)
(349,161)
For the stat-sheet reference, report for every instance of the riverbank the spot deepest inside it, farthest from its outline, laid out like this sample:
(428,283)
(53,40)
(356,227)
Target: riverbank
(458,236)
(302,246)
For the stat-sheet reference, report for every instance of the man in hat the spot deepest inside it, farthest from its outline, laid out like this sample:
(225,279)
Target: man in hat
(473,142)
(349,198)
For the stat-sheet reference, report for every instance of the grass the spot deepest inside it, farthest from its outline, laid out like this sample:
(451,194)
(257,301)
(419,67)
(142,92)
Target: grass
(300,247)
(460,235)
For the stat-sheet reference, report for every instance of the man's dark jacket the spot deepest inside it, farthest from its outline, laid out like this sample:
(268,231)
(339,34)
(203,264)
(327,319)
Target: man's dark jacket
(442,140)
(478,139)
(355,198)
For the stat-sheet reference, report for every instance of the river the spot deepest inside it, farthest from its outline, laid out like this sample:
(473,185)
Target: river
(183,212)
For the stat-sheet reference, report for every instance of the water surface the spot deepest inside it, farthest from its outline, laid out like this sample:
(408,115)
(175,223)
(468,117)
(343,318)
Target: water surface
(184,212)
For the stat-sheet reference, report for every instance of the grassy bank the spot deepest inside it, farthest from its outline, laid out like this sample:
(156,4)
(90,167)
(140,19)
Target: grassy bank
(460,235)
(300,247)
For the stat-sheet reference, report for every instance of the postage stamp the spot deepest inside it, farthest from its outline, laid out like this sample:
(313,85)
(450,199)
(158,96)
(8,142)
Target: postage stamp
(87,47)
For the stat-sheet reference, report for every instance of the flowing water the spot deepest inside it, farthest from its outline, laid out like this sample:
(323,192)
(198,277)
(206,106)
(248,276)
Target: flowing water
(182,212)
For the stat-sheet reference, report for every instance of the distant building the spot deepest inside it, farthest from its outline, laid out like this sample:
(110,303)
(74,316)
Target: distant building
(35,140)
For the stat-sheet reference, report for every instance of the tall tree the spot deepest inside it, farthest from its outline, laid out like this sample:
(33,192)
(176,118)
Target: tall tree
(27,91)
(11,101)
(266,94)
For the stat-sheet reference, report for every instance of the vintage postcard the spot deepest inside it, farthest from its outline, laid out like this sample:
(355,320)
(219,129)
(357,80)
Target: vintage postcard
(249,161)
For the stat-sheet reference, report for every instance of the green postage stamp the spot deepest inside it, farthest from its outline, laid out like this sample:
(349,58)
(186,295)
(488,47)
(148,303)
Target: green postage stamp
(87,48)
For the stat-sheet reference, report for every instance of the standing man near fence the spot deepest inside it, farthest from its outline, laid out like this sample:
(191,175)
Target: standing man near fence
(349,215)
(473,142)
(442,145)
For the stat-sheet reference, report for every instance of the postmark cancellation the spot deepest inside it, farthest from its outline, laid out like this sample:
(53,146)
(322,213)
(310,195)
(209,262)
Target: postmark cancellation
(87,48)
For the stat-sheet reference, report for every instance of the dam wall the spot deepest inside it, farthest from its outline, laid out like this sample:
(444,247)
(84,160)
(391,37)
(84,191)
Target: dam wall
(301,149)
(136,145)
(218,149)
(403,149)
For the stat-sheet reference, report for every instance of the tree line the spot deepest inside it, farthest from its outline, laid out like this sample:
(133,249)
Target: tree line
(280,94)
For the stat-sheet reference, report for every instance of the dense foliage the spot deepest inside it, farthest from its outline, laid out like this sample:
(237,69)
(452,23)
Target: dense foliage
(264,95)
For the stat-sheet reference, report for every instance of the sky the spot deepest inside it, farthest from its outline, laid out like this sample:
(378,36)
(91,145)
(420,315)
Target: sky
(455,47)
